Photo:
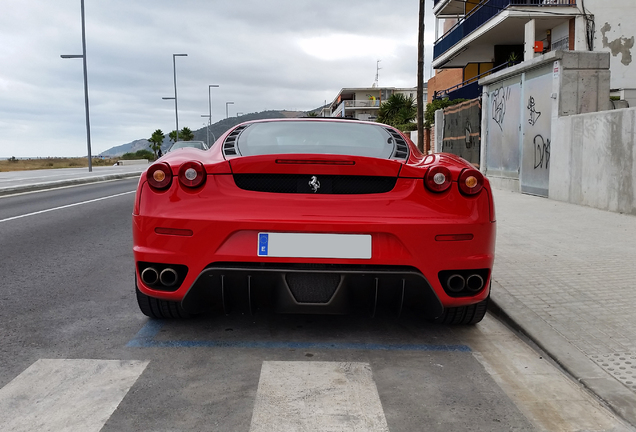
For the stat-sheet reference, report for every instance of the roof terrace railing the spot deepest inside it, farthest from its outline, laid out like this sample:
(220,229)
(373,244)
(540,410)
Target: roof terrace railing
(483,12)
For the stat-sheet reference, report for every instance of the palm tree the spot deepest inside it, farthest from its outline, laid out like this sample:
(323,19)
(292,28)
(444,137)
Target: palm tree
(156,140)
(398,111)
(173,136)
(186,134)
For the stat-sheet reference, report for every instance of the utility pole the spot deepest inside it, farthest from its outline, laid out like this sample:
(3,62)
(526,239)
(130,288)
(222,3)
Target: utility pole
(377,73)
(420,80)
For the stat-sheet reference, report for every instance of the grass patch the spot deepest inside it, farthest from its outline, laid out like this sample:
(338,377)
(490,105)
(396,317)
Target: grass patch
(51,163)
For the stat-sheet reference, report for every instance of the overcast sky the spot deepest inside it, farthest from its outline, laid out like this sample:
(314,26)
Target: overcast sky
(264,55)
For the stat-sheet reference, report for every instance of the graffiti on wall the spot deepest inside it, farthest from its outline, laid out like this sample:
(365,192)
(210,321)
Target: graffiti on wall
(462,130)
(534,114)
(537,135)
(541,152)
(500,99)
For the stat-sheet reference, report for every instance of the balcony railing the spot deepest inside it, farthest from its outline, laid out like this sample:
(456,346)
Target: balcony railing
(362,103)
(481,14)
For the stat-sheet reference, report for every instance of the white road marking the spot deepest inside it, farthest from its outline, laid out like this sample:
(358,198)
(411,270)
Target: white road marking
(64,206)
(66,395)
(317,396)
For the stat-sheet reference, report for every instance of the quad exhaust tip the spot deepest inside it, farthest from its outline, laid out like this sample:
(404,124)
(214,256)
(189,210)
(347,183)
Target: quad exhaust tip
(168,277)
(150,276)
(455,283)
(474,283)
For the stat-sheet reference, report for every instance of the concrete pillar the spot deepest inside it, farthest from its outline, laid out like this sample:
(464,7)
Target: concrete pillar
(529,41)
(580,40)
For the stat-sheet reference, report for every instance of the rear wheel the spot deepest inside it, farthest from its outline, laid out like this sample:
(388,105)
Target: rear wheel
(157,308)
(463,315)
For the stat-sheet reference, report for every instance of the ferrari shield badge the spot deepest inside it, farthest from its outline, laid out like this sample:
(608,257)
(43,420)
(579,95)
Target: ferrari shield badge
(314,184)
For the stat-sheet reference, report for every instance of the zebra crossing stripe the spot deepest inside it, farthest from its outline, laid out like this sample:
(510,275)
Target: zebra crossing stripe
(66,395)
(321,396)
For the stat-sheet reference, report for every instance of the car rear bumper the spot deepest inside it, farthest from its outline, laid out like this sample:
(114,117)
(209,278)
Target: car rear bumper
(406,253)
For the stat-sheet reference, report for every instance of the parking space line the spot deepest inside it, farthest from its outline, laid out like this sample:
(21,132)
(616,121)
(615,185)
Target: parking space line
(145,338)
(326,396)
(66,395)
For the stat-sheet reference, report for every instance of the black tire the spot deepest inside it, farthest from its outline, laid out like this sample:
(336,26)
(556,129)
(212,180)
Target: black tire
(157,308)
(463,315)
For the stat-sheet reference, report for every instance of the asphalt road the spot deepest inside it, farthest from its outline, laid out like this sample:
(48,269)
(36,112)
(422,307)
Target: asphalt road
(76,352)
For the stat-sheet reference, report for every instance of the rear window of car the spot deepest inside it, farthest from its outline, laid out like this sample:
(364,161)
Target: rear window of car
(316,137)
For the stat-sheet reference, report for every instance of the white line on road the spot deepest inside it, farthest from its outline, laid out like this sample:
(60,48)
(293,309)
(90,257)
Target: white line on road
(66,395)
(64,206)
(320,396)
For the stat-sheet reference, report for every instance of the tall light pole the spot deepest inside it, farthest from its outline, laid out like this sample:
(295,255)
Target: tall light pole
(210,99)
(176,113)
(210,109)
(207,127)
(226,111)
(83,56)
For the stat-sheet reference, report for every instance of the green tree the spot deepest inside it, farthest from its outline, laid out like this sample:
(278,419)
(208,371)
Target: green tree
(312,114)
(186,134)
(398,111)
(173,136)
(156,140)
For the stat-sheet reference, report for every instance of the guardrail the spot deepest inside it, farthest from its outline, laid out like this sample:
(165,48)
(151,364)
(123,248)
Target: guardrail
(483,13)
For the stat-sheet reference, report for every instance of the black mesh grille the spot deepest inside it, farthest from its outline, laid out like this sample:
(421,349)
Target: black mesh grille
(312,287)
(302,183)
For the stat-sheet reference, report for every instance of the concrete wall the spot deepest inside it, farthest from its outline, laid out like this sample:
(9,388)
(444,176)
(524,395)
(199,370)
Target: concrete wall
(520,105)
(615,33)
(593,160)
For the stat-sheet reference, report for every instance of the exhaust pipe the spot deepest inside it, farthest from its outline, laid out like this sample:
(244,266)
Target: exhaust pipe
(455,283)
(168,277)
(150,276)
(474,282)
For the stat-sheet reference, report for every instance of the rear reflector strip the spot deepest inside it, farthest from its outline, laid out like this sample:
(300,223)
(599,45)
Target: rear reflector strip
(174,231)
(313,162)
(454,237)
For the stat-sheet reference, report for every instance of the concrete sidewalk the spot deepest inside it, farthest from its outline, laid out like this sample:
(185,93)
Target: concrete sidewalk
(565,276)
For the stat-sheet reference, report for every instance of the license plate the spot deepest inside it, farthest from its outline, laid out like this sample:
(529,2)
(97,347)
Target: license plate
(308,245)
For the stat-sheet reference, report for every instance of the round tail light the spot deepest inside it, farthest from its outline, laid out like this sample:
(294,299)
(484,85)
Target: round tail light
(437,179)
(159,175)
(471,181)
(192,174)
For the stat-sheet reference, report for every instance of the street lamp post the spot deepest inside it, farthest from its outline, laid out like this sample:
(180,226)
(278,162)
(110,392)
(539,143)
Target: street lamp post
(210,109)
(226,110)
(176,113)
(207,127)
(83,57)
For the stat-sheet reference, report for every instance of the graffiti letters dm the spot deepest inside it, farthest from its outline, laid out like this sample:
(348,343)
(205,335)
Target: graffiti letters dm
(541,152)
(534,114)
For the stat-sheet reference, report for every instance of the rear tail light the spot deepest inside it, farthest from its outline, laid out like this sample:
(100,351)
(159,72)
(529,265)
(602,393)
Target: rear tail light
(192,174)
(159,175)
(437,179)
(471,181)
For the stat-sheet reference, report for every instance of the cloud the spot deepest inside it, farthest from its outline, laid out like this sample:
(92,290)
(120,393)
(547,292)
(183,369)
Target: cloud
(264,54)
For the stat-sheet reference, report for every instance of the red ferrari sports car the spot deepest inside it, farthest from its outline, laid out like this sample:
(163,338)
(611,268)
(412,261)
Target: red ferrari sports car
(314,216)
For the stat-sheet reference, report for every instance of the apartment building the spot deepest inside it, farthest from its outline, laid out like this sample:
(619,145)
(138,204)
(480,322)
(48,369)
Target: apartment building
(364,103)
(484,37)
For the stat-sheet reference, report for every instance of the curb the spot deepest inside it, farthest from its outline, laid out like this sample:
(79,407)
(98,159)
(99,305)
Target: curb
(617,397)
(69,182)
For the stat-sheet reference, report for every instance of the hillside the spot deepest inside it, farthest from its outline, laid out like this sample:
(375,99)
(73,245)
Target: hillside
(216,130)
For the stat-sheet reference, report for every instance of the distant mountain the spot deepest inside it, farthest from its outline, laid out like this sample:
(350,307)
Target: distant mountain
(216,130)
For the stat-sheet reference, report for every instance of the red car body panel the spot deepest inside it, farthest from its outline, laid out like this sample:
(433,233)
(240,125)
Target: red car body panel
(221,221)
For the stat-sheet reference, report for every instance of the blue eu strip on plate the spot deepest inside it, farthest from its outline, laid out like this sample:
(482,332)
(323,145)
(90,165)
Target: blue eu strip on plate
(263,241)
